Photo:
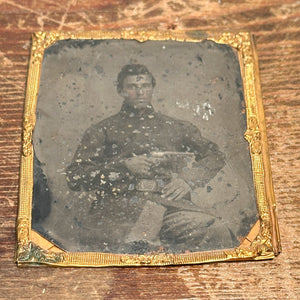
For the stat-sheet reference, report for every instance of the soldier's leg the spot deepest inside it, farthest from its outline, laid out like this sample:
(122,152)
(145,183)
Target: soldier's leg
(194,231)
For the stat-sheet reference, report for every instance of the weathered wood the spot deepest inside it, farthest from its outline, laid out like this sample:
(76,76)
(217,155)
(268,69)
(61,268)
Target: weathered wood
(275,25)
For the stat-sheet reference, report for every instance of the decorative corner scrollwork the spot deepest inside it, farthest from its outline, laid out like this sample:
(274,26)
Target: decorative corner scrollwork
(31,253)
(260,248)
(158,259)
(241,42)
(234,40)
(253,136)
(263,244)
(27,252)
(43,40)
(28,126)
(40,41)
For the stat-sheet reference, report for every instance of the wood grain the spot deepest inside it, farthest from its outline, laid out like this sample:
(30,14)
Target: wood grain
(275,25)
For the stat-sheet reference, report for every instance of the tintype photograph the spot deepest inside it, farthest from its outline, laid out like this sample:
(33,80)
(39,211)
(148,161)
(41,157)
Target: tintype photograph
(139,148)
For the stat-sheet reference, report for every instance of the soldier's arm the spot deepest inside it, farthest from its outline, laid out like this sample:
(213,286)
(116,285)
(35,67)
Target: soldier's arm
(90,168)
(209,160)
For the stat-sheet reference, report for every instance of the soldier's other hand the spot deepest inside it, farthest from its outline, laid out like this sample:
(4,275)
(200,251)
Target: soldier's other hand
(175,190)
(139,165)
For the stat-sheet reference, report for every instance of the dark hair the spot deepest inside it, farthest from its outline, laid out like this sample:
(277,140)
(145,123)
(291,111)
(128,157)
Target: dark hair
(133,69)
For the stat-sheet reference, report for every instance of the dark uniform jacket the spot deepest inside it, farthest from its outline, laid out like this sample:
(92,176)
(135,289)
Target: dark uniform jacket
(98,164)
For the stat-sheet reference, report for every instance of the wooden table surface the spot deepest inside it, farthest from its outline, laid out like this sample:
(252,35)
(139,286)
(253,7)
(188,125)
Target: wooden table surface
(275,25)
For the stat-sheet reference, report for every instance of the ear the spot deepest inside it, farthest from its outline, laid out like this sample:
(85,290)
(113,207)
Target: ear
(123,93)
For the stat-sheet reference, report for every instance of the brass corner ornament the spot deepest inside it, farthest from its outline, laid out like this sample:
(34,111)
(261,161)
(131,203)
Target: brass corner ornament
(35,255)
(36,246)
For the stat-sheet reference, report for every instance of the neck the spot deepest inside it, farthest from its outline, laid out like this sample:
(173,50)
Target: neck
(139,111)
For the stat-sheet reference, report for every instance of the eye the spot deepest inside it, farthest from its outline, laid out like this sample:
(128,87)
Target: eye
(131,86)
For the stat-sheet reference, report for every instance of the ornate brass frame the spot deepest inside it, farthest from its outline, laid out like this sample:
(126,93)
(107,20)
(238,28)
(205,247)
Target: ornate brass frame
(263,241)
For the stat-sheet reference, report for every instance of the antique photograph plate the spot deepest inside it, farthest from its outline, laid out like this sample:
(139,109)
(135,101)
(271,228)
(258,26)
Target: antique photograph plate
(144,148)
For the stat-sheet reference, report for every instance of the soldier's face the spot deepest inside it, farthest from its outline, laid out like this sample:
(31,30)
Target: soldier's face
(137,90)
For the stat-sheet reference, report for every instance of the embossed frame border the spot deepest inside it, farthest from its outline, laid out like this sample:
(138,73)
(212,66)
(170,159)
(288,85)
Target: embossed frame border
(263,241)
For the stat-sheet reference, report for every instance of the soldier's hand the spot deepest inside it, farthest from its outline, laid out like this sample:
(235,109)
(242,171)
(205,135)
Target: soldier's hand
(139,165)
(175,190)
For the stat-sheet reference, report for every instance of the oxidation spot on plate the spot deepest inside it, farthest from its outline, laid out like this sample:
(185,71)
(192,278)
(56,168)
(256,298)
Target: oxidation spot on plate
(209,188)
(199,58)
(99,69)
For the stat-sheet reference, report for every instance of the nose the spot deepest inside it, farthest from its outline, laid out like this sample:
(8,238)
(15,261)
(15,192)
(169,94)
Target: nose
(140,90)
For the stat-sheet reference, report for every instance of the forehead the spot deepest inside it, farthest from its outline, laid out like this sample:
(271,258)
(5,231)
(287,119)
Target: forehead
(142,78)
